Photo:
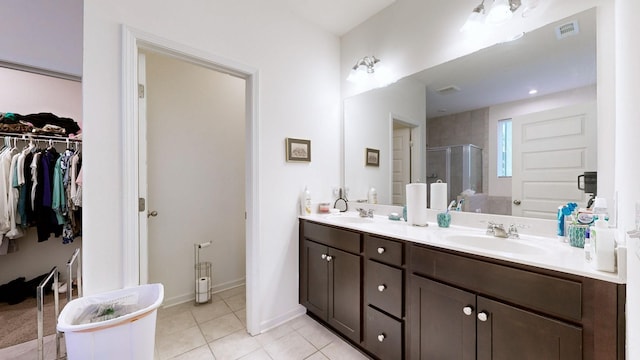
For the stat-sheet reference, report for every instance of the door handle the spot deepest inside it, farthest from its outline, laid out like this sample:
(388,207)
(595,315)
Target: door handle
(152,213)
(517,202)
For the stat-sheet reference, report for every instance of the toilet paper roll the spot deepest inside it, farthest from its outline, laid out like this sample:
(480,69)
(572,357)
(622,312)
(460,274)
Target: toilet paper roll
(417,204)
(438,199)
(202,292)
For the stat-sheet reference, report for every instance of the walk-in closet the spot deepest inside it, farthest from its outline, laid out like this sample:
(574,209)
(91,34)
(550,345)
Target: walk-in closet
(40,196)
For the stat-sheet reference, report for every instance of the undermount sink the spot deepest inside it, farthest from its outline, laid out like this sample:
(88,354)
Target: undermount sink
(491,243)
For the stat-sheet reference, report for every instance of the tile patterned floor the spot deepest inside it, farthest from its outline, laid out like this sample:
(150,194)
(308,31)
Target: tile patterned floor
(217,331)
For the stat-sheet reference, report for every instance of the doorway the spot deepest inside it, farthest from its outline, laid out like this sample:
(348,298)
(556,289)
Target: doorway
(195,173)
(136,251)
(403,168)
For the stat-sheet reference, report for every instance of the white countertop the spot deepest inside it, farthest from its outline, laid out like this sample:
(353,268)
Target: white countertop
(538,251)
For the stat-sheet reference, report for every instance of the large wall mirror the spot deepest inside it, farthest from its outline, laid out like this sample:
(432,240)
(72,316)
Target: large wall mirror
(509,127)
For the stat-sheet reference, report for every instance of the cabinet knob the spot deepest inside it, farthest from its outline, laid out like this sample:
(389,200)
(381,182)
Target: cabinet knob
(380,250)
(329,257)
(323,256)
(382,287)
(483,316)
(467,310)
(381,337)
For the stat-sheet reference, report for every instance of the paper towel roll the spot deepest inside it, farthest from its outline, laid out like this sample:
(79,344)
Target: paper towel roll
(417,204)
(438,199)
(202,292)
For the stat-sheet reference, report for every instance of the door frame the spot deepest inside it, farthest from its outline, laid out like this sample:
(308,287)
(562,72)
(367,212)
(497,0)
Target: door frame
(416,158)
(133,250)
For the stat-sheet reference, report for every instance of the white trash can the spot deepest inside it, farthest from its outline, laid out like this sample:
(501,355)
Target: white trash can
(119,324)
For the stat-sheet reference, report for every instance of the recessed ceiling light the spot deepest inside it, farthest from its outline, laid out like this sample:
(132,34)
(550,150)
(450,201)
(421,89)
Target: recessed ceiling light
(533,92)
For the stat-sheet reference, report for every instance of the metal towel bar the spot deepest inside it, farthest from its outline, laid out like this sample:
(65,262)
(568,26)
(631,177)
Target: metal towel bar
(74,260)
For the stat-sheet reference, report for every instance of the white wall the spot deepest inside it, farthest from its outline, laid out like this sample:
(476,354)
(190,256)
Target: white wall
(502,186)
(299,96)
(367,124)
(43,34)
(27,93)
(196,158)
(627,132)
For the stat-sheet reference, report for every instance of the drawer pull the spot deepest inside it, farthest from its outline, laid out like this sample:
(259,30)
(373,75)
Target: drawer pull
(381,250)
(382,287)
(329,257)
(483,316)
(323,256)
(381,337)
(467,310)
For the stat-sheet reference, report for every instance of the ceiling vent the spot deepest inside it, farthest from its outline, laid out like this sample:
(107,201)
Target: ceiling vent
(568,29)
(448,90)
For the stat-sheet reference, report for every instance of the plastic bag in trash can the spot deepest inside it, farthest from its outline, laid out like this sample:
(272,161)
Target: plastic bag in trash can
(103,311)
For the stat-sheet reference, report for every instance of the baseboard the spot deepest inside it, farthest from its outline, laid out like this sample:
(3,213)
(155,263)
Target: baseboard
(298,310)
(181,299)
(228,285)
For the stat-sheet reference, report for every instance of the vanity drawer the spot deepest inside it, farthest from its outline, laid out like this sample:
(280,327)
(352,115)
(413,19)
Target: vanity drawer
(551,295)
(383,250)
(337,238)
(383,335)
(383,287)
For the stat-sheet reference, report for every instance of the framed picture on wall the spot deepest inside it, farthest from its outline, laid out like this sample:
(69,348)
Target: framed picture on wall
(298,149)
(372,157)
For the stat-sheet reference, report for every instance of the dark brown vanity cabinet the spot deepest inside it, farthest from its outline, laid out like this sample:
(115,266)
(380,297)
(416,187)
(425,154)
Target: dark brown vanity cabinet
(401,300)
(461,307)
(449,323)
(331,277)
(384,297)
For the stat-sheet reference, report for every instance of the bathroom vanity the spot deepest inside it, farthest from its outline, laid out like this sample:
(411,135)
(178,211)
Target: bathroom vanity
(401,292)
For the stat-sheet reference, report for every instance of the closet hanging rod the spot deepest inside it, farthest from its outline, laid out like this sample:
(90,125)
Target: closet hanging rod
(27,137)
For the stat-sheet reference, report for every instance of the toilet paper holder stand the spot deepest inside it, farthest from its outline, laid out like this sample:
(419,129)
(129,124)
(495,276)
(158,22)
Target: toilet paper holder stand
(202,275)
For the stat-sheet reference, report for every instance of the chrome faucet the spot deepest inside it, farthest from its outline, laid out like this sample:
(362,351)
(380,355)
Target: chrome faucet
(496,230)
(365,213)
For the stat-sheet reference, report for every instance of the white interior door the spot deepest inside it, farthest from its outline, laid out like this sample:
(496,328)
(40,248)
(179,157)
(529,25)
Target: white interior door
(550,149)
(401,163)
(142,170)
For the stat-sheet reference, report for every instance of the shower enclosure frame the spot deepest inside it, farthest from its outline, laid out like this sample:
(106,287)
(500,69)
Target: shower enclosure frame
(466,168)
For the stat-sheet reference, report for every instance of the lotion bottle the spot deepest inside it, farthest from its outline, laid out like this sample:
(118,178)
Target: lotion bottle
(603,246)
(305,202)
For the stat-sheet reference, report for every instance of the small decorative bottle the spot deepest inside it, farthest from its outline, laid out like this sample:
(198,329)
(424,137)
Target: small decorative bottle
(372,196)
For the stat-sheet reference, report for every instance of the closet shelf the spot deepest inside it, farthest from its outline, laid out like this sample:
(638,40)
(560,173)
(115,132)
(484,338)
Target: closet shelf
(30,136)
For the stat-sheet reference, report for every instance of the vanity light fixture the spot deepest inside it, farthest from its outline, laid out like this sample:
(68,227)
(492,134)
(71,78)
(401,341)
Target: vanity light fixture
(475,19)
(502,10)
(498,12)
(363,67)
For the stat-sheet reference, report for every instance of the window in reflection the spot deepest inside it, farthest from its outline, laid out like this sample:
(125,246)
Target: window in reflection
(504,148)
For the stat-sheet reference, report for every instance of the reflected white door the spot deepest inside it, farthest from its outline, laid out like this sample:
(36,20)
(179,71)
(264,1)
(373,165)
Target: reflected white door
(550,149)
(401,163)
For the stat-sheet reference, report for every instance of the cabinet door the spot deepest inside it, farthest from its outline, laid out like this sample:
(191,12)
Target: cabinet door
(511,333)
(344,293)
(439,328)
(314,278)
